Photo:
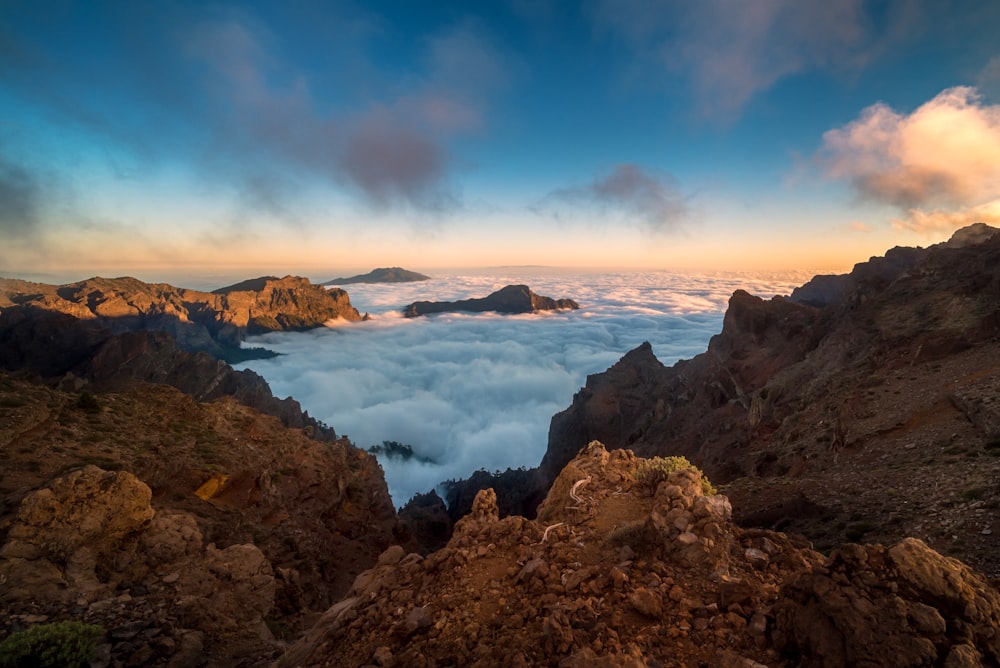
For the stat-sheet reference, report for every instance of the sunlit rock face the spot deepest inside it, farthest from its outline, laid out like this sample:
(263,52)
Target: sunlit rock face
(213,322)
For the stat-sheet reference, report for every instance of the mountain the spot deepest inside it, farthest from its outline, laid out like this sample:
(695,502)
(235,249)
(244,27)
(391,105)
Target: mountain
(854,435)
(213,322)
(509,299)
(381,275)
(865,411)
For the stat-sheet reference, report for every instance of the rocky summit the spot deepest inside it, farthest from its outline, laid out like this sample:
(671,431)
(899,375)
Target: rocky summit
(631,564)
(509,299)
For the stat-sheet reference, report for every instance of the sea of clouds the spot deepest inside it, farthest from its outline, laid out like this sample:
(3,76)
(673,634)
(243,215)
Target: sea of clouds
(477,391)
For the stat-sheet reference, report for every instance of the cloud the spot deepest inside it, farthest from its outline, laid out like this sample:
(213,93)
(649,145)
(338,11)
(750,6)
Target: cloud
(988,80)
(478,391)
(938,220)
(20,200)
(231,95)
(729,51)
(944,156)
(394,151)
(655,201)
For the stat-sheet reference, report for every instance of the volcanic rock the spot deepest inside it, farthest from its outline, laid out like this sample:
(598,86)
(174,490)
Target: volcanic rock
(213,322)
(310,516)
(605,577)
(509,299)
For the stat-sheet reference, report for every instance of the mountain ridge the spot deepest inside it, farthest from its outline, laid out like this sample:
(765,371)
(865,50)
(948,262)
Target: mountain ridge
(213,322)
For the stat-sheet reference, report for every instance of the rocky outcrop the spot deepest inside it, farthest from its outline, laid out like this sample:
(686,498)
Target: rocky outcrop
(215,322)
(618,571)
(91,542)
(698,408)
(381,275)
(509,299)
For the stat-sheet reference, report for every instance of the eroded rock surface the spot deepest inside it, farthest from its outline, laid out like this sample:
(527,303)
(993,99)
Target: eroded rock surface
(92,543)
(613,573)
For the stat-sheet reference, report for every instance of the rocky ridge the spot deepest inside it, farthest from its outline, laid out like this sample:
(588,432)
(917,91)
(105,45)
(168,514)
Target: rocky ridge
(618,570)
(509,299)
(213,322)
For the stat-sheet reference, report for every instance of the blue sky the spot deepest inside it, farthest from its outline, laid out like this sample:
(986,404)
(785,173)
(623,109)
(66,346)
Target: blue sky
(321,136)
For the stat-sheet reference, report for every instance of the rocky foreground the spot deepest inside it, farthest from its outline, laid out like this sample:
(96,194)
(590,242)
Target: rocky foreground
(193,533)
(625,568)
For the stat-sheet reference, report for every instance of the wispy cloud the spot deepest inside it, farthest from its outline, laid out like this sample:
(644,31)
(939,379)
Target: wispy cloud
(654,201)
(940,164)
(730,51)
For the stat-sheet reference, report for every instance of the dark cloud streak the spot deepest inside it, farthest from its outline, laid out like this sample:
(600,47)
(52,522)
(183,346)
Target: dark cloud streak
(20,200)
(656,202)
(222,91)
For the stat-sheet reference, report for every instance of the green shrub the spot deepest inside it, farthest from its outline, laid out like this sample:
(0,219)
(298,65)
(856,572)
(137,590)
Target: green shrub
(59,645)
(651,472)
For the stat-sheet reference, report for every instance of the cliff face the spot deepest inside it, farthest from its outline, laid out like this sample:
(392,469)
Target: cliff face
(190,531)
(509,299)
(623,568)
(212,322)
(887,386)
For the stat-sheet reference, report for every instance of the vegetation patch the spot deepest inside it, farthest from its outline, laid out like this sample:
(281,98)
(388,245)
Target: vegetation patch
(651,472)
(68,644)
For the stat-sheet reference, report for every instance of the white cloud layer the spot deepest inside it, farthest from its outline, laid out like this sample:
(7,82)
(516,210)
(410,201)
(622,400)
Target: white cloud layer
(940,164)
(473,391)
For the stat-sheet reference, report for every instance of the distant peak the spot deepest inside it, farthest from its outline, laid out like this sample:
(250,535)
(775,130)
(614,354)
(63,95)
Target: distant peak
(381,275)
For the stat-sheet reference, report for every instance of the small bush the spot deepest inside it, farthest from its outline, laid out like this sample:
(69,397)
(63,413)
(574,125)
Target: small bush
(651,472)
(60,645)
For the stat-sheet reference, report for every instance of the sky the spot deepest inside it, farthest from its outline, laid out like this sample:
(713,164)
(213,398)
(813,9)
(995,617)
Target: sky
(470,391)
(323,137)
